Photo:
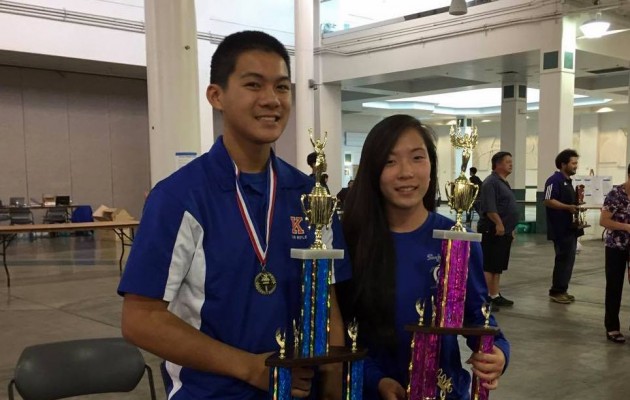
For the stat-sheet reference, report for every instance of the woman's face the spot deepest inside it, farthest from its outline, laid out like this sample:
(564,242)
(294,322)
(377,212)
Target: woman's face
(407,173)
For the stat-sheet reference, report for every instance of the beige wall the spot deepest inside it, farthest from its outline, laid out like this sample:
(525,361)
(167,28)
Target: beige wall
(77,134)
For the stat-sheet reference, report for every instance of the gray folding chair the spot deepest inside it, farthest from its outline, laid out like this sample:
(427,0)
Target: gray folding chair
(56,215)
(4,213)
(79,367)
(21,216)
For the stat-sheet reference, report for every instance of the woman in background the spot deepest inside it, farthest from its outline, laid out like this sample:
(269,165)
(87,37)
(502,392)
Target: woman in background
(388,223)
(615,217)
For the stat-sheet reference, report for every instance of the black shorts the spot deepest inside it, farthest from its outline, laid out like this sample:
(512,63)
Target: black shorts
(496,252)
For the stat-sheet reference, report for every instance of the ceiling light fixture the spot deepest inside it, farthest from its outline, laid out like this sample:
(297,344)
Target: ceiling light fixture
(604,110)
(458,7)
(595,28)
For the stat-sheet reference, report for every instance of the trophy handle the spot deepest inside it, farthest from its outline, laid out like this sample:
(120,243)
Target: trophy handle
(334,207)
(477,188)
(449,196)
(304,210)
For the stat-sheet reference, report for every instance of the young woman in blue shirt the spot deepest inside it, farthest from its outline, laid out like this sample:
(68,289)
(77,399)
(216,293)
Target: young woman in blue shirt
(389,217)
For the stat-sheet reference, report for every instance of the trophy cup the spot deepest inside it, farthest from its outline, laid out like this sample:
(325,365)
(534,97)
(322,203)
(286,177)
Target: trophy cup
(579,217)
(311,332)
(426,380)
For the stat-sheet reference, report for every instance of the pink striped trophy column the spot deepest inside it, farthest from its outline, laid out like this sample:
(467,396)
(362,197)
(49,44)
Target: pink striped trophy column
(427,381)
(311,332)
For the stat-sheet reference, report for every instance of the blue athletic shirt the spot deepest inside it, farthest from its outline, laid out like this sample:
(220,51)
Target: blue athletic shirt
(560,222)
(192,250)
(418,256)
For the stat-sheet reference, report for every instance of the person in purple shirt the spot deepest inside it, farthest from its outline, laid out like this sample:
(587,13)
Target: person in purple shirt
(561,204)
(615,217)
(388,222)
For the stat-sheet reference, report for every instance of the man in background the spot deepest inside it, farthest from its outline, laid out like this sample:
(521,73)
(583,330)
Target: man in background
(344,192)
(475,180)
(498,219)
(561,204)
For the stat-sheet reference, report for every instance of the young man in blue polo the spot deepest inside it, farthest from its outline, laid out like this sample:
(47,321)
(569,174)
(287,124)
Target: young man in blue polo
(209,278)
(561,204)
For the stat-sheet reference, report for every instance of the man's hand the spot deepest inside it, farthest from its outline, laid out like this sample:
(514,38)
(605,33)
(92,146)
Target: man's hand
(390,389)
(488,367)
(301,381)
(500,230)
(301,378)
(573,209)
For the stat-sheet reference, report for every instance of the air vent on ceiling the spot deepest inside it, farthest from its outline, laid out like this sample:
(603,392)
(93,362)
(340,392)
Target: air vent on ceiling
(608,70)
(507,72)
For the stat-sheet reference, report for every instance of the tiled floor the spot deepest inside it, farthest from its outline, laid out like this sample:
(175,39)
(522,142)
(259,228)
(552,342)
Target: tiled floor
(65,288)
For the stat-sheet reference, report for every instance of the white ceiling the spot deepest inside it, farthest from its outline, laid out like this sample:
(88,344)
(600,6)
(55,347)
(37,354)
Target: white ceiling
(590,80)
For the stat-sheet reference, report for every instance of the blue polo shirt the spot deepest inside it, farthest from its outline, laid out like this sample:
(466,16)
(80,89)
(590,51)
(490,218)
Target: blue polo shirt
(560,222)
(192,250)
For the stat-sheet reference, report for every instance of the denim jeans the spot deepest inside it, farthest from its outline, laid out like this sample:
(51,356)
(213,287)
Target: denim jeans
(563,266)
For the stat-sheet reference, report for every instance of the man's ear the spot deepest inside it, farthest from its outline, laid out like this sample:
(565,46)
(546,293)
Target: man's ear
(214,94)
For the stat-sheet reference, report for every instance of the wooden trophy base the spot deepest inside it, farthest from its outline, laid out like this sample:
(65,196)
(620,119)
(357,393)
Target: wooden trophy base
(468,331)
(335,354)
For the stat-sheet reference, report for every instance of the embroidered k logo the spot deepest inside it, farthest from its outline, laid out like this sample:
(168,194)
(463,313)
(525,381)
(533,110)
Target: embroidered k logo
(296,229)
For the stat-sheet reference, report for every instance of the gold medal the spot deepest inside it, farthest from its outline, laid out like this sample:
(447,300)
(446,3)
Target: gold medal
(265,282)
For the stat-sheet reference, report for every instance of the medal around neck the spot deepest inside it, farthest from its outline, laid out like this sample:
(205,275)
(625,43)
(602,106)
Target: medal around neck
(264,281)
(426,378)
(311,331)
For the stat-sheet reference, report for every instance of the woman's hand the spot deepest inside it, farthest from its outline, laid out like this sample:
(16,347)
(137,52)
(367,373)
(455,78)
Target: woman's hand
(390,389)
(488,367)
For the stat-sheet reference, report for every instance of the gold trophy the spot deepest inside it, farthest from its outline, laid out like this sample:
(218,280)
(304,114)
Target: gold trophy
(311,331)
(579,217)
(319,206)
(461,194)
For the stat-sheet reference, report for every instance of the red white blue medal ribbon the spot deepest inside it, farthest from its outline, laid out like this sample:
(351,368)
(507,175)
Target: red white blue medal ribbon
(264,282)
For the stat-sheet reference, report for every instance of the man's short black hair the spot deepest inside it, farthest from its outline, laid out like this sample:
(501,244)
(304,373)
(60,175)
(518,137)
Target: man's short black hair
(473,171)
(497,157)
(565,156)
(311,159)
(224,58)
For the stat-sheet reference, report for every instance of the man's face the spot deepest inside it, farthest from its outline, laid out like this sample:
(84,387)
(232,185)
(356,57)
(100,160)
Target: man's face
(256,101)
(570,168)
(504,167)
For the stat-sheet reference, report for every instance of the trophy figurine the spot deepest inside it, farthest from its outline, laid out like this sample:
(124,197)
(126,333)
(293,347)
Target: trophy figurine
(461,193)
(426,379)
(311,331)
(579,217)
(319,206)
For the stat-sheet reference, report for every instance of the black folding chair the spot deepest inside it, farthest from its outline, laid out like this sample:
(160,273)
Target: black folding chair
(79,367)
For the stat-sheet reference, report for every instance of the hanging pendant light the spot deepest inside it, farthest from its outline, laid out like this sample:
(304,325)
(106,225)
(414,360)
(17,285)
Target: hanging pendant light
(458,7)
(595,28)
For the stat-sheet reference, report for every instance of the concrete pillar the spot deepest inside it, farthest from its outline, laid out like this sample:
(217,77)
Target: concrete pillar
(328,99)
(589,130)
(205,51)
(304,105)
(172,80)
(514,135)
(555,116)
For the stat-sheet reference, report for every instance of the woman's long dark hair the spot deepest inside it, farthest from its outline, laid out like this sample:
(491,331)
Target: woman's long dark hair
(370,296)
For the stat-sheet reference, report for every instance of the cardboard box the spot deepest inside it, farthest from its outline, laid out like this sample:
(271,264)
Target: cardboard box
(104,213)
(48,200)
